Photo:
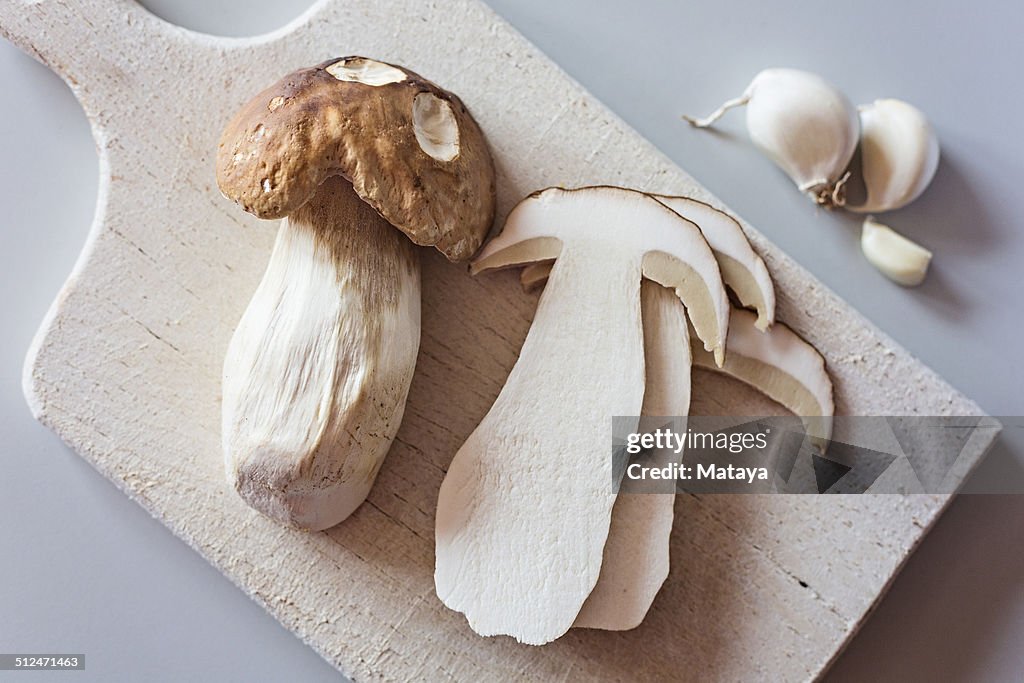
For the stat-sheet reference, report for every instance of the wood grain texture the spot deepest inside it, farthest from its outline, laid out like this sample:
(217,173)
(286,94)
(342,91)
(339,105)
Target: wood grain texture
(126,367)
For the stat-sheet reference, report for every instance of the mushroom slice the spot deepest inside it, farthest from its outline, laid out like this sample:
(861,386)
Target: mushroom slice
(636,554)
(783,367)
(776,362)
(742,269)
(535,275)
(352,154)
(524,511)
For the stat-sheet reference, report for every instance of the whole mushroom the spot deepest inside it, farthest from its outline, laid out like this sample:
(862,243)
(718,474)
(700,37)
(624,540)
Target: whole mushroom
(318,370)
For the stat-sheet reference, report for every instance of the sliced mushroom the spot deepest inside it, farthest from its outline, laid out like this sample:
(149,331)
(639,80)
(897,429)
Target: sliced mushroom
(318,370)
(524,511)
(636,554)
(782,366)
(742,269)
(776,362)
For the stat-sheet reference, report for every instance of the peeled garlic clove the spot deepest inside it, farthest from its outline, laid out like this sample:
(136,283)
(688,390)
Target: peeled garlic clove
(804,124)
(899,259)
(899,153)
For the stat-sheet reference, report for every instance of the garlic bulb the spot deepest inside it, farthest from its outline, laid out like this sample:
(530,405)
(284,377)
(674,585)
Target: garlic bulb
(804,124)
(898,258)
(899,153)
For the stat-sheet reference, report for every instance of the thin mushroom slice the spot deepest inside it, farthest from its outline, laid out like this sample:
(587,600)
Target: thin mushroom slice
(636,554)
(781,365)
(776,362)
(743,271)
(524,511)
(696,280)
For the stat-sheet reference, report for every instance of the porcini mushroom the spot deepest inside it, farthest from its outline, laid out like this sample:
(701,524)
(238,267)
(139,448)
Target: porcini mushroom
(743,271)
(784,367)
(318,370)
(636,555)
(524,511)
(775,361)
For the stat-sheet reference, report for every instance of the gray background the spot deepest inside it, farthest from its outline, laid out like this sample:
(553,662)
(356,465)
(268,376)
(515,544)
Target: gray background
(82,569)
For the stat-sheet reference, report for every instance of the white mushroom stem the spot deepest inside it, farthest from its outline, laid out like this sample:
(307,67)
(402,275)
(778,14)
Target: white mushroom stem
(317,372)
(524,511)
(534,479)
(636,554)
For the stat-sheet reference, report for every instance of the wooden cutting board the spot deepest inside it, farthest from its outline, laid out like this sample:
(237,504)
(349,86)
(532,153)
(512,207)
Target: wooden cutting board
(126,367)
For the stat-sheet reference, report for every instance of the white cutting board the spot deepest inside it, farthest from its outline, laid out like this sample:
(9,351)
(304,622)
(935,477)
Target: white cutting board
(126,367)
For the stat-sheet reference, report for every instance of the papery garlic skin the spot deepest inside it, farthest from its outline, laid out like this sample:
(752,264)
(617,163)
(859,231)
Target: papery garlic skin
(898,258)
(899,154)
(804,124)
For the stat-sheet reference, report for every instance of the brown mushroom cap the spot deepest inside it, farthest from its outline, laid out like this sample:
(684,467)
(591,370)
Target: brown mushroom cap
(410,149)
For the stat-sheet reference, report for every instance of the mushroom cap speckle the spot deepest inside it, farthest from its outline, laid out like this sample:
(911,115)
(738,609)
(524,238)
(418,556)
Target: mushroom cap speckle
(411,150)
